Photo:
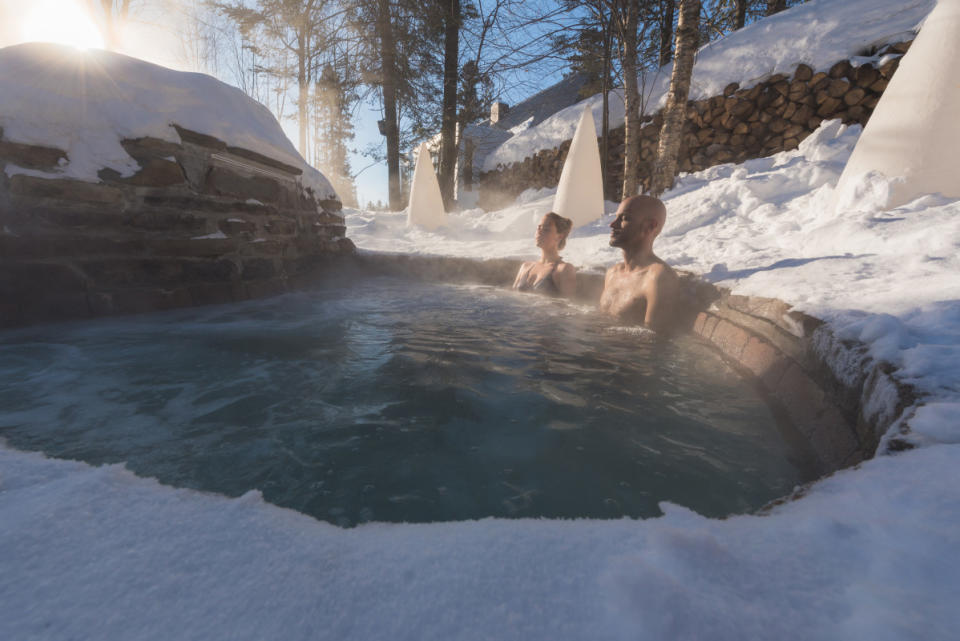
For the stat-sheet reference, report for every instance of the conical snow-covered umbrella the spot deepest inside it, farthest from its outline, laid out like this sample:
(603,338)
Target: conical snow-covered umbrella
(426,203)
(913,138)
(580,192)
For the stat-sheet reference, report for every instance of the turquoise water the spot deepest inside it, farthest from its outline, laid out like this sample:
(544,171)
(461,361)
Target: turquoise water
(389,400)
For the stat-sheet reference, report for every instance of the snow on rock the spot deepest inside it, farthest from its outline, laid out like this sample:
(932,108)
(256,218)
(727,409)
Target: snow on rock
(912,138)
(86,102)
(817,33)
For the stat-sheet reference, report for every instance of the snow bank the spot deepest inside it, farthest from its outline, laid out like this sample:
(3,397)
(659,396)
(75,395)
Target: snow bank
(817,33)
(86,102)
(97,553)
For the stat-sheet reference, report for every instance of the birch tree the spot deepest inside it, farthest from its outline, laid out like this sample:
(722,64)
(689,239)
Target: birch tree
(674,114)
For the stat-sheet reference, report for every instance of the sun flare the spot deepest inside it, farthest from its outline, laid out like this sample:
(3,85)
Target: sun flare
(63,22)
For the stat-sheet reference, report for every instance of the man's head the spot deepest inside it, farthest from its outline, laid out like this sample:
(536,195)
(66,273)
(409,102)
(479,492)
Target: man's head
(638,221)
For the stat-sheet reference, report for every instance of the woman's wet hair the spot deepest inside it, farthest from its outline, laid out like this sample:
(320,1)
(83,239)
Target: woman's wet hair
(562,225)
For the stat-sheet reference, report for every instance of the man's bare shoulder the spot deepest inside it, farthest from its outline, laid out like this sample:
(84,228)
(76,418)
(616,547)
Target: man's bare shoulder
(662,272)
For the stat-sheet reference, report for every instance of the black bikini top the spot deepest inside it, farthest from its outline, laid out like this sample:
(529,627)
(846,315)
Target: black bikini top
(543,286)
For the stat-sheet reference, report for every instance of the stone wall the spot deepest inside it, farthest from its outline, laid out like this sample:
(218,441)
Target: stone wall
(742,123)
(201,222)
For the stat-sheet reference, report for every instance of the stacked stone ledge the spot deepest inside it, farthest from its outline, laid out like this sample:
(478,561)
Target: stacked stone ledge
(737,125)
(201,222)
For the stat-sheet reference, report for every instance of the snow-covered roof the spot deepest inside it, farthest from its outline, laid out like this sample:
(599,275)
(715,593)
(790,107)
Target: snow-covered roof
(817,33)
(545,102)
(86,102)
(520,117)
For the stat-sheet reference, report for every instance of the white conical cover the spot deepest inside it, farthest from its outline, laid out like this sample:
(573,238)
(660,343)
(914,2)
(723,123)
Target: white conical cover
(580,192)
(426,203)
(914,133)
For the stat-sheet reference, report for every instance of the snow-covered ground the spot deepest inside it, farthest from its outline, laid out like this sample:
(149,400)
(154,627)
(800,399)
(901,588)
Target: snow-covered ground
(869,553)
(817,33)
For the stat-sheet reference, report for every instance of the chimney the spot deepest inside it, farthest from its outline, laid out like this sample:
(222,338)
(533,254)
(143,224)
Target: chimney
(497,111)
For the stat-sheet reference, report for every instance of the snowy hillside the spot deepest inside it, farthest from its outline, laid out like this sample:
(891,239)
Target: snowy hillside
(85,103)
(816,33)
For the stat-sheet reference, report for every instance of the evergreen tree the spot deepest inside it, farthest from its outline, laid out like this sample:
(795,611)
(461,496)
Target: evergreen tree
(397,49)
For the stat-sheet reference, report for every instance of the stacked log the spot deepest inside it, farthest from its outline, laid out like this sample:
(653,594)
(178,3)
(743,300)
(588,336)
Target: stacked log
(739,124)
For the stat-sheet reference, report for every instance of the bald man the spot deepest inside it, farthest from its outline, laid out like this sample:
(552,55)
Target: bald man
(643,288)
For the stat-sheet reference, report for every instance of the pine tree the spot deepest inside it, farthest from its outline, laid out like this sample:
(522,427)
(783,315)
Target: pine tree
(396,40)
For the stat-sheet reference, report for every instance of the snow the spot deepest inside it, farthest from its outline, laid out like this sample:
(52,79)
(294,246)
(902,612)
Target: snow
(817,33)
(86,102)
(906,138)
(868,553)
(214,235)
(99,553)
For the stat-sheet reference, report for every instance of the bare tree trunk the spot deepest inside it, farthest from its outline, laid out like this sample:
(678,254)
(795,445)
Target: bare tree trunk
(631,103)
(674,114)
(740,17)
(388,49)
(666,32)
(468,149)
(303,95)
(605,90)
(448,125)
(775,6)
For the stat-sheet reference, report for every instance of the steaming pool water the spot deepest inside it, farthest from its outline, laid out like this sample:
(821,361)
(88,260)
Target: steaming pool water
(390,400)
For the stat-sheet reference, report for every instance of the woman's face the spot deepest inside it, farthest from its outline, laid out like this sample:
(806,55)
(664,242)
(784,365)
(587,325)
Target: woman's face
(547,236)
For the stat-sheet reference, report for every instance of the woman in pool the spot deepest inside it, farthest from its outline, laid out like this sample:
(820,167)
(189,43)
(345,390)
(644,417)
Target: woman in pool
(549,275)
